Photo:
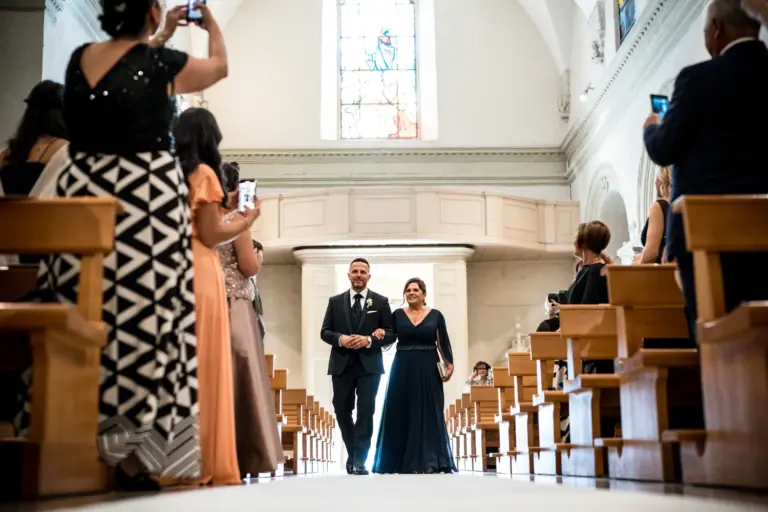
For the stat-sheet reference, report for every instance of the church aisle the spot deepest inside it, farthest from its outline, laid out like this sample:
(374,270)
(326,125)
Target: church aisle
(422,492)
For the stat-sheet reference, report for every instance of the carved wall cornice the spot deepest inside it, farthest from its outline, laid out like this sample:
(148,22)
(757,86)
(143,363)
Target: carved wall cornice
(304,156)
(334,167)
(404,254)
(656,34)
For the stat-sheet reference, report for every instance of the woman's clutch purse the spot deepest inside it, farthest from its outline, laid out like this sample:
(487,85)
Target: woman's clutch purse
(442,368)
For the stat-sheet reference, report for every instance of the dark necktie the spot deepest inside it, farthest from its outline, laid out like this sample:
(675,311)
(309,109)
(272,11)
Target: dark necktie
(357,310)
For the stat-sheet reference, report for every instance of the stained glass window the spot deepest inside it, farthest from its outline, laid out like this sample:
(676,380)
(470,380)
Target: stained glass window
(377,65)
(626,18)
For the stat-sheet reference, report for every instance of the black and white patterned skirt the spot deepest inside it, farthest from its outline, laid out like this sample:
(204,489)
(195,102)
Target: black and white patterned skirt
(148,405)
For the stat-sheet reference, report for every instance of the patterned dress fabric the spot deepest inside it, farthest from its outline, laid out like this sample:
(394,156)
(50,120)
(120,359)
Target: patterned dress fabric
(120,146)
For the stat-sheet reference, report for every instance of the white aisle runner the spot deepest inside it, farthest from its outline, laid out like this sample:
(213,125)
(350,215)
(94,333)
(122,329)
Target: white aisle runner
(420,493)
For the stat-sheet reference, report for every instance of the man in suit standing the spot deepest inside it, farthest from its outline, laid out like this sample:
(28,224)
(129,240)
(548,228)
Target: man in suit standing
(357,324)
(714,135)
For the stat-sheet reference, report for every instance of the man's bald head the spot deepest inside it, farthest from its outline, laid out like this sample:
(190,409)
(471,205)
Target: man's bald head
(727,21)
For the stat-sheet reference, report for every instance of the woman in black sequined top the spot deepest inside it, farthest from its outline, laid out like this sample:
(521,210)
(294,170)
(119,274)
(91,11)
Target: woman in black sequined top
(118,108)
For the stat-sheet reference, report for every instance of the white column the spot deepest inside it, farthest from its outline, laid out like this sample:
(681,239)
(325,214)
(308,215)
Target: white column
(317,286)
(450,296)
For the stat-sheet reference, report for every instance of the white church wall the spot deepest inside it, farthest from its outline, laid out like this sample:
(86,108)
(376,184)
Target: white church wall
(496,82)
(500,294)
(608,155)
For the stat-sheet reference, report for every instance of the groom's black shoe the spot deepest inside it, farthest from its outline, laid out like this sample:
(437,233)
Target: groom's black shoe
(359,469)
(350,467)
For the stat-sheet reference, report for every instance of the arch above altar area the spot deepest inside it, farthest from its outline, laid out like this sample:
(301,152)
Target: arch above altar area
(499,227)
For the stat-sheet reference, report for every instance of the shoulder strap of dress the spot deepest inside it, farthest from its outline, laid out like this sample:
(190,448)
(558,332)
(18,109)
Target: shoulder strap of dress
(664,206)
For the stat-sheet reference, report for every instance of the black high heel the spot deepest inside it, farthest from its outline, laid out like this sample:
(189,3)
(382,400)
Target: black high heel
(138,482)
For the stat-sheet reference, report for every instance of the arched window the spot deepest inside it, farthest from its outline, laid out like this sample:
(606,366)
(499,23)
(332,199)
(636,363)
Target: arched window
(378,95)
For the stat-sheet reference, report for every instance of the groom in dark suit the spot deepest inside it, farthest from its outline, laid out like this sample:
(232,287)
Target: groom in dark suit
(357,324)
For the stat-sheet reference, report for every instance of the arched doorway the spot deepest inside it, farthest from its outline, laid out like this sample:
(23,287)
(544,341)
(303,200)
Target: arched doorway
(613,212)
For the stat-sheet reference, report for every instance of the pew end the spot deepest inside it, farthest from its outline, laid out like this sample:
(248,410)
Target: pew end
(733,450)
(64,343)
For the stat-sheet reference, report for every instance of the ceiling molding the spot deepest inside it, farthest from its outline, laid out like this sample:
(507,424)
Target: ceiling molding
(305,156)
(401,254)
(656,34)
(302,168)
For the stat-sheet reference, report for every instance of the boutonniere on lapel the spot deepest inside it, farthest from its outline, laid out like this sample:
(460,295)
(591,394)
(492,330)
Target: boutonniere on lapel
(368,304)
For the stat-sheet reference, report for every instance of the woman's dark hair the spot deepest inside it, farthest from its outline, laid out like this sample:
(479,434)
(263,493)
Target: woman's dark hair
(257,245)
(230,171)
(44,116)
(593,236)
(419,283)
(124,17)
(552,297)
(481,364)
(197,141)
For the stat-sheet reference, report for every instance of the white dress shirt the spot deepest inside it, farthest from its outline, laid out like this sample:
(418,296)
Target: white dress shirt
(737,41)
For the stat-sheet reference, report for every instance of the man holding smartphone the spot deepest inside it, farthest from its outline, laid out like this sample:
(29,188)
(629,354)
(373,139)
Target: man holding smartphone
(714,137)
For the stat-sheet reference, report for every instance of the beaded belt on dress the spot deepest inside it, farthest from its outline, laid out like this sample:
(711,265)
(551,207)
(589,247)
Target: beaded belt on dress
(416,347)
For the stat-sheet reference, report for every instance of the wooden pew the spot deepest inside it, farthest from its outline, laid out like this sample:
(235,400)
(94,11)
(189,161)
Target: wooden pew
(468,460)
(660,387)
(486,430)
(504,384)
(733,450)
(310,439)
(453,432)
(460,429)
(65,344)
(278,384)
(16,282)
(523,372)
(592,398)
(545,349)
(294,401)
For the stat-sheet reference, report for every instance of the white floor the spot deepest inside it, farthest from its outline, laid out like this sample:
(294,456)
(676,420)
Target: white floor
(400,493)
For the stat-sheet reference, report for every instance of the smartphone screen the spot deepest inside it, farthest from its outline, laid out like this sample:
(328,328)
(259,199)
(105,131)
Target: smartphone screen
(247,194)
(659,105)
(193,13)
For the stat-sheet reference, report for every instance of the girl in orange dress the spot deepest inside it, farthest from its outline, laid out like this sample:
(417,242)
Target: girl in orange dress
(197,140)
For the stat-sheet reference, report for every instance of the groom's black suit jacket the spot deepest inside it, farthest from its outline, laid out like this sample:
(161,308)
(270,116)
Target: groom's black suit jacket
(338,322)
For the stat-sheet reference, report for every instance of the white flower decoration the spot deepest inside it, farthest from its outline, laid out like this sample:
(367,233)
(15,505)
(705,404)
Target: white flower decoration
(369,303)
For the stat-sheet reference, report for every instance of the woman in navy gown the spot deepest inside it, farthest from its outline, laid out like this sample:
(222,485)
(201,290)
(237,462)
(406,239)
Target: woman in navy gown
(413,437)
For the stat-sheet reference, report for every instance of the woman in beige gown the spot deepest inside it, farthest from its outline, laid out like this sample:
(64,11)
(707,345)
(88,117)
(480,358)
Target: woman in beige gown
(259,449)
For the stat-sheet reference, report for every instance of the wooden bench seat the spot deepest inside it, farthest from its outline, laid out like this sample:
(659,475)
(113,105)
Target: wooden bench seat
(485,401)
(64,342)
(733,449)
(523,371)
(504,385)
(658,386)
(593,399)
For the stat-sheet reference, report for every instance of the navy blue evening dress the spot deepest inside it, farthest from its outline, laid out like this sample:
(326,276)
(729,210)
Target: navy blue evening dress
(413,437)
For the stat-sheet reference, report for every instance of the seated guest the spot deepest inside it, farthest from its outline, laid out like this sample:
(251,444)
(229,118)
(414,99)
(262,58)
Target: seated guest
(653,237)
(589,287)
(259,449)
(197,143)
(714,137)
(482,375)
(552,308)
(120,147)
(41,133)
